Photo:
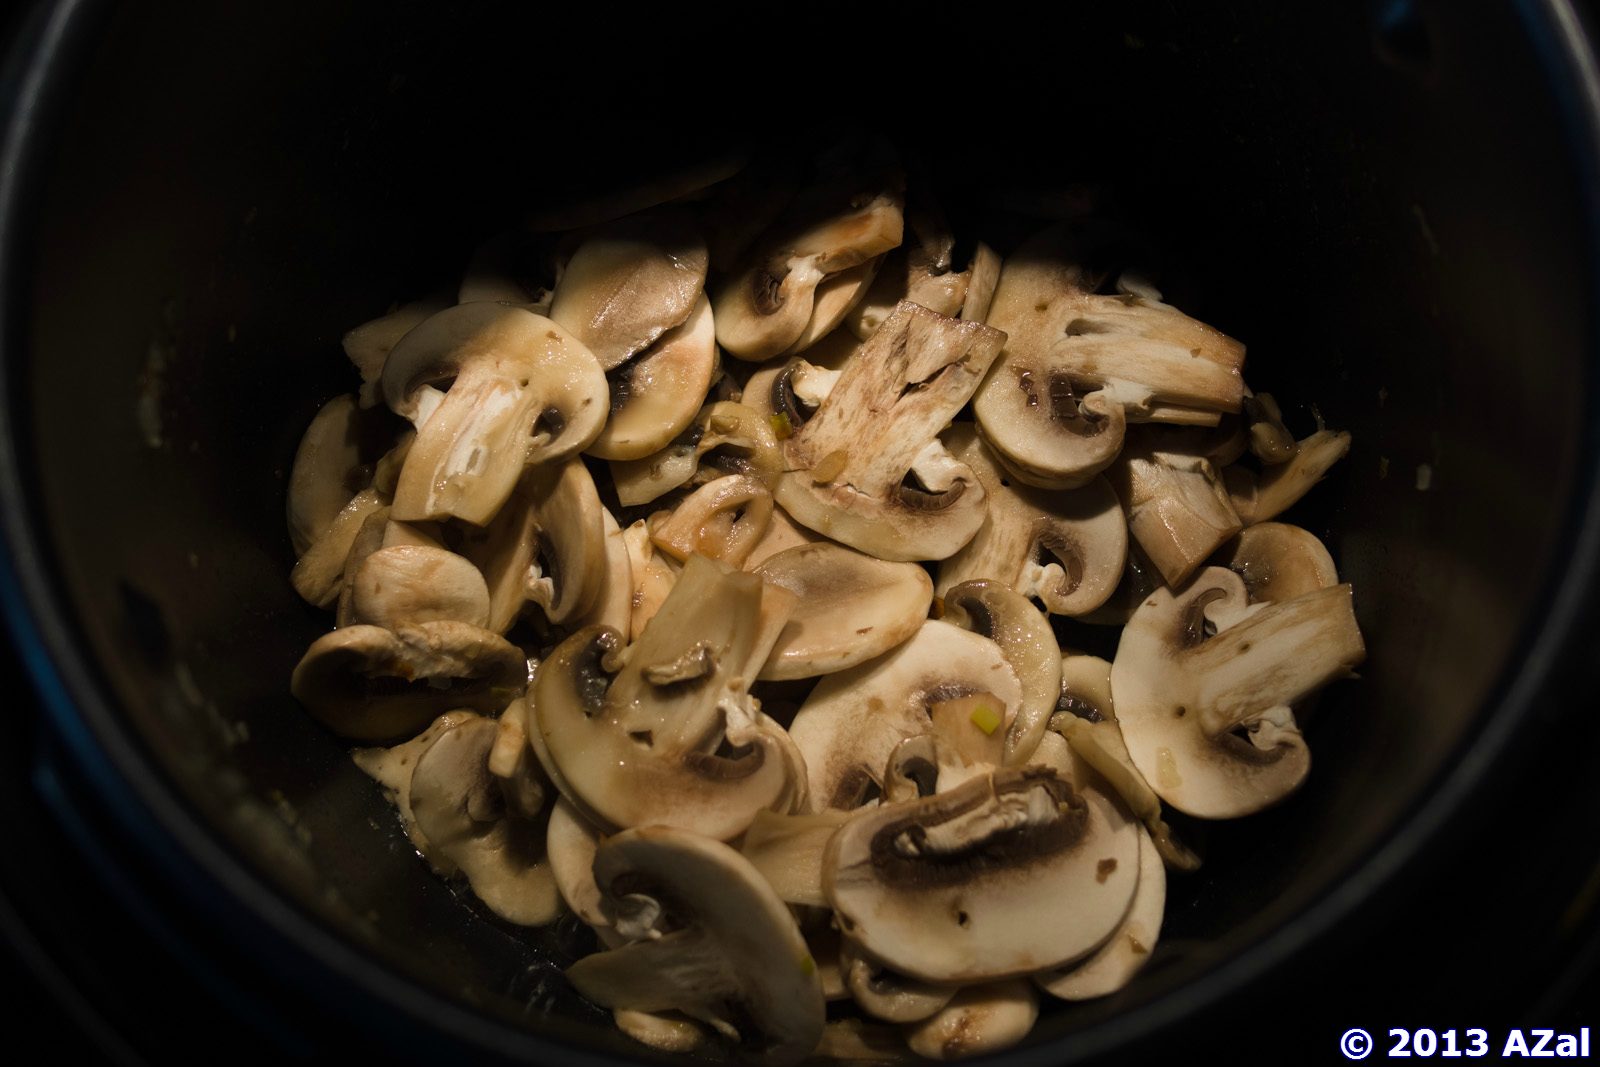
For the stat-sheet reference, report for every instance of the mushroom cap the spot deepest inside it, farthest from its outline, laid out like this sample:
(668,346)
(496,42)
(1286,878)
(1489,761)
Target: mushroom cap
(613,603)
(1005,874)
(373,684)
(737,959)
(979,1020)
(629,282)
(673,737)
(1027,642)
(655,397)
(523,392)
(408,584)
(851,470)
(391,768)
(1182,698)
(1278,562)
(849,608)
(1066,548)
(461,813)
(885,995)
(1114,963)
(853,720)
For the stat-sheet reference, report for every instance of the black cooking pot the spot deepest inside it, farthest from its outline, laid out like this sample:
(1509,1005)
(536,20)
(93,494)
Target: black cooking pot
(1394,206)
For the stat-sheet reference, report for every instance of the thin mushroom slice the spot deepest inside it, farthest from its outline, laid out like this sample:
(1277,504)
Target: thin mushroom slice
(652,575)
(836,297)
(1177,509)
(849,608)
(852,721)
(1258,499)
(664,1032)
(629,282)
(613,603)
(729,955)
(868,469)
(391,768)
(782,534)
(368,345)
(408,584)
(725,438)
(1207,720)
(1278,562)
(724,519)
(334,462)
(787,850)
(858,1041)
(370,539)
(319,574)
(923,271)
(1114,964)
(1065,549)
(461,813)
(978,1021)
(672,735)
(373,684)
(570,844)
(1004,875)
(883,994)
(522,392)
(1027,642)
(655,396)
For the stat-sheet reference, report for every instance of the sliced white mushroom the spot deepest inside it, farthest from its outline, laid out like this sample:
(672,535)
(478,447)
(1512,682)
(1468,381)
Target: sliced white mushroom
(725,438)
(663,1031)
(373,684)
(369,539)
(724,949)
(671,736)
(391,768)
(318,575)
(922,270)
(836,297)
(1258,499)
(522,392)
(1177,509)
(369,344)
(1207,719)
(613,603)
(723,519)
(782,534)
(401,586)
(858,1041)
(980,1020)
(462,815)
(851,723)
(787,850)
(1027,642)
(652,574)
(1066,549)
(328,470)
(868,469)
(655,396)
(1114,964)
(1278,562)
(570,844)
(629,282)
(1006,874)
(883,994)
(849,608)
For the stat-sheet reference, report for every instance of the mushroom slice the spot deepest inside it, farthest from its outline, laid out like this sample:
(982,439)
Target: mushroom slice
(1114,964)
(655,397)
(408,584)
(1066,549)
(1207,719)
(516,268)
(983,278)
(523,782)
(369,539)
(546,545)
(1258,499)
(923,271)
(791,393)
(731,957)
(787,850)
(665,1032)
(861,1042)
(1278,562)
(372,684)
(369,344)
(629,282)
(652,575)
(1027,642)
(723,519)
(1086,719)
(462,814)
(849,608)
(331,465)
(1270,440)
(836,296)
(523,392)
(885,995)
(725,438)
(766,308)
(980,1020)
(868,469)
(673,737)
(570,843)
(1177,510)
(783,533)
(391,768)
(852,721)
(1003,875)
(613,603)
(319,573)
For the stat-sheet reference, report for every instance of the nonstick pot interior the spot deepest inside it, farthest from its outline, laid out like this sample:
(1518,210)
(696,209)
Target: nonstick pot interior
(226,188)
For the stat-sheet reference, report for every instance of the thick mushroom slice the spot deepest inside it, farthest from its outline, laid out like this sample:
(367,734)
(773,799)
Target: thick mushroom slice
(787,850)
(1027,642)
(1076,363)
(673,736)
(724,519)
(1005,874)
(978,1021)
(849,608)
(1207,719)
(368,345)
(655,397)
(629,282)
(391,768)
(1258,499)
(868,469)
(1114,963)
(522,392)
(1177,509)
(373,684)
(722,948)
(1278,562)
(409,584)
(725,438)
(1065,549)
(462,814)
(852,721)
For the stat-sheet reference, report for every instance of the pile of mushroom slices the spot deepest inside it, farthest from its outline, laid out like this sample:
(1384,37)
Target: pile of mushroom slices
(784,706)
